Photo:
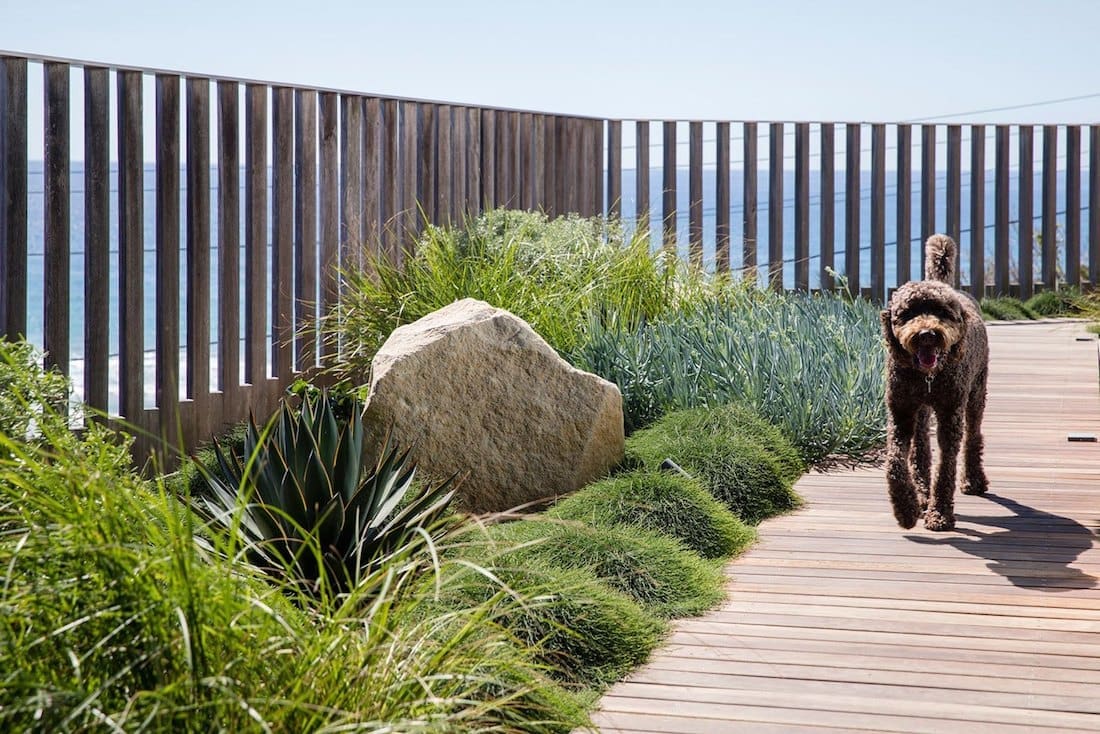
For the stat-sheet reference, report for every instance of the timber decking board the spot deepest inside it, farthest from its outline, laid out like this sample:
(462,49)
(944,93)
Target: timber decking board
(839,620)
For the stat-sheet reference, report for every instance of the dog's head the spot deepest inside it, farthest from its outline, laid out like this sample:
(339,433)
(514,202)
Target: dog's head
(925,324)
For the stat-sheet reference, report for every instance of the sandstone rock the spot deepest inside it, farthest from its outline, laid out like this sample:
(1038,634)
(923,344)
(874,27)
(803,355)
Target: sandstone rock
(473,389)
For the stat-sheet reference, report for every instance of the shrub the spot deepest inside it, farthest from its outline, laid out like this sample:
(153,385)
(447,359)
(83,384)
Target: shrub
(1061,302)
(813,365)
(553,273)
(748,476)
(653,569)
(27,391)
(1006,309)
(303,503)
(663,502)
(586,633)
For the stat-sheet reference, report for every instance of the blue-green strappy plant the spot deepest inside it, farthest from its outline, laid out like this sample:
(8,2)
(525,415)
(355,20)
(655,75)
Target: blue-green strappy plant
(301,502)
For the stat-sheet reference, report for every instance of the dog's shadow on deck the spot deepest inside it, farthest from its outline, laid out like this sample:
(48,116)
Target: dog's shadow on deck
(1031,548)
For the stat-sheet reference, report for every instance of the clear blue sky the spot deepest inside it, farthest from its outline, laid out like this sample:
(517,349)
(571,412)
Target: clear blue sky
(768,60)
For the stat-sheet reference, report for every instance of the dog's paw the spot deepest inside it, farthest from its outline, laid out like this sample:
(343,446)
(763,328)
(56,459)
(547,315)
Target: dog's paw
(936,521)
(975,485)
(906,516)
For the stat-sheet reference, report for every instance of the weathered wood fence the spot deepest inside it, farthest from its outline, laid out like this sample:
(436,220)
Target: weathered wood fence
(261,193)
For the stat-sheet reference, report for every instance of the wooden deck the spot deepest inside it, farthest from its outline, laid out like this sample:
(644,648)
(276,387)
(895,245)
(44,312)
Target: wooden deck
(839,621)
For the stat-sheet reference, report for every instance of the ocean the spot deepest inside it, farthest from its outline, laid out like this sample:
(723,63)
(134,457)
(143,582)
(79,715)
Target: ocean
(629,209)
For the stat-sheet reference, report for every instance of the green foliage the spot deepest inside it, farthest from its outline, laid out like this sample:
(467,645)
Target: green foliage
(586,633)
(653,569)
(750,477)
(662,502)
(28,393)
(1007,309)
(302,503)
(553,273)
(113,618)
(812,365)
(1061,302)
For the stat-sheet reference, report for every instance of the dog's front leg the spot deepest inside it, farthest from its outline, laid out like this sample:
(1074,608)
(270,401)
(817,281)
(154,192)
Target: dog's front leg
(899,480)
(941,512)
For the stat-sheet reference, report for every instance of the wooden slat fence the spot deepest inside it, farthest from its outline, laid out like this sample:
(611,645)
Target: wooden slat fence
(235,260)
(292,186)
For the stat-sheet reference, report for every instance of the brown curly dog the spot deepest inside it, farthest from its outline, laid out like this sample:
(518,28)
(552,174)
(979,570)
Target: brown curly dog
(937,361)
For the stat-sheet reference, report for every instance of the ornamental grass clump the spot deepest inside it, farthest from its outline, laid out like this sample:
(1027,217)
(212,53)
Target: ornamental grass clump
(555,274)
(656,571)
(749,473)
(585,633)
(302,503)
(659,501)
(1006,309)
(811,365)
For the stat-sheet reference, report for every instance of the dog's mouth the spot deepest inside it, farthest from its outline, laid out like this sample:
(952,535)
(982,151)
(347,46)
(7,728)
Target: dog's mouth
(928,357)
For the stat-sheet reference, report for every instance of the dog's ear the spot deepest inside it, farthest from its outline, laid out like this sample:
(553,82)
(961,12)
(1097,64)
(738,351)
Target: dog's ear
(892,342)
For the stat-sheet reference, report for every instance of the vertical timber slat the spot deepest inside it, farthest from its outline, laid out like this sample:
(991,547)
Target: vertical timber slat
(488,162)
(351,181)
(131,247)
(695,193)
(282,233)
(444,183)
(722,199)
(748,209)
(852,173)
(255,239)
(305,229)
(13,197)
(927,188)
(329,212)
(775,206)
(198,256)
(168,255)
(641,175)
(615,168)
(802,206)
(977,211)
(828,204)
(1001,211)
(1050,206)
(904,218)
(954,187)
(1026,227)
(391,186)
(56,262)
(878,213)
(97,237)
(229,243)
(668,185)
(1073,206)
(372,178)
(410,214)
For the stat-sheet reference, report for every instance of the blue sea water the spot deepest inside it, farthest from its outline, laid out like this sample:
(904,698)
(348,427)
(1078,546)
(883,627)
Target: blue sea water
(629,209)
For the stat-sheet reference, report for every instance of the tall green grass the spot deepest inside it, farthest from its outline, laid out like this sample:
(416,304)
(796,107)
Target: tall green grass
(112,618)
(553,273)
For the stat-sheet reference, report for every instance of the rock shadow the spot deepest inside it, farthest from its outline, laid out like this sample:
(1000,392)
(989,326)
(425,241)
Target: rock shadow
(1031,548)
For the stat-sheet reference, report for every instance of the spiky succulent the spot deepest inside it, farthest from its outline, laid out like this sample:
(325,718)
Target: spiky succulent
(302,502)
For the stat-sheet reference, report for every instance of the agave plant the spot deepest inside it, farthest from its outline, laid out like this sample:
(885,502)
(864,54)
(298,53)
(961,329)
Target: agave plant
(302,502)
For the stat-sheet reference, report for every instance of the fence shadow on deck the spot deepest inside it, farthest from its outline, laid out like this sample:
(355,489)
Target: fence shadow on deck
(1004,542)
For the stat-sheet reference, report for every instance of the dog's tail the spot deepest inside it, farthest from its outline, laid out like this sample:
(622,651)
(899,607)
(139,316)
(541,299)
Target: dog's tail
(940,254)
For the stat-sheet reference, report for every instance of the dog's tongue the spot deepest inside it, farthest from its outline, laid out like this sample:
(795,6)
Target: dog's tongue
(927,357)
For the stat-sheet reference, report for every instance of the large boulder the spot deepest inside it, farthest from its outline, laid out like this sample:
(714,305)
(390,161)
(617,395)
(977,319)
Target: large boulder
(473,389)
